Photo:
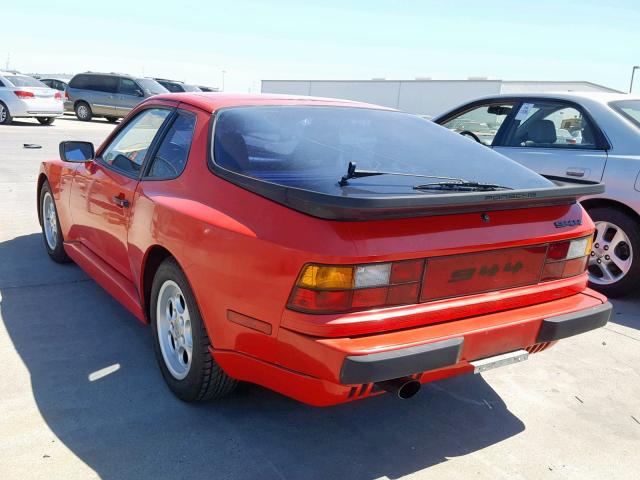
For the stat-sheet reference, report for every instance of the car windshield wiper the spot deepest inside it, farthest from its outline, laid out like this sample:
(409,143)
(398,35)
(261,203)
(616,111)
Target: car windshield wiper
(464,186)
(353,173)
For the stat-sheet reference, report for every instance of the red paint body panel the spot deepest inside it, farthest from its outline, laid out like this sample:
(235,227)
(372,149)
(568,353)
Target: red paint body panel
(243,252)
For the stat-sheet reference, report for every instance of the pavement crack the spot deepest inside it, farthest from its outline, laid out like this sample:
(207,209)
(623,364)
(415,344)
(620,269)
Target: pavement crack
(623,334)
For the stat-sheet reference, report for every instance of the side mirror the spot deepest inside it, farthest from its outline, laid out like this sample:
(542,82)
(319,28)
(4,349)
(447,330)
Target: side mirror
(77,151)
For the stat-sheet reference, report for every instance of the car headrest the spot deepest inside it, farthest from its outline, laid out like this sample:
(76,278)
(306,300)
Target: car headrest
(542,131)
(231,151)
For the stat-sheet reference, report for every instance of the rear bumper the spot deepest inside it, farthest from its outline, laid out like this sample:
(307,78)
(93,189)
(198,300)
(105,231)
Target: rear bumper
(404,362)
(35,108)
(326,371)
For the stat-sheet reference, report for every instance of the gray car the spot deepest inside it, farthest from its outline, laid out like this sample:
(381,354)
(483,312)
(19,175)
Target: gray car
(108,95)
(583,136)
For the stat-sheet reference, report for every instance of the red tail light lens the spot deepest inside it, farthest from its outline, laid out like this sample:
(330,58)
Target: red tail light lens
(24,94)
(66,95)
(566,259)
(345,288)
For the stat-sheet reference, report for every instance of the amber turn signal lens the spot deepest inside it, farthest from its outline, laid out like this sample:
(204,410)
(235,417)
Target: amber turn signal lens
(321,277)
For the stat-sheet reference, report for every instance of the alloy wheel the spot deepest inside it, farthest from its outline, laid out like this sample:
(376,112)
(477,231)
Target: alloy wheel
(174,329)
(50,221)
(611,255)
(3,113)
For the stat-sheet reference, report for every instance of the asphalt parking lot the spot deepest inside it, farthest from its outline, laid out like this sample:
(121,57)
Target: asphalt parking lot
(82,397)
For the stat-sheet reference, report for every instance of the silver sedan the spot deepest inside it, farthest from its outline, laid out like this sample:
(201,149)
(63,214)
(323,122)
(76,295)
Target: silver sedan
(588,136)
(24,96)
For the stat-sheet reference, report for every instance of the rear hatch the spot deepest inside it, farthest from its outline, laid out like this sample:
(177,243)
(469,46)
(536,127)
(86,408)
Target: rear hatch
(430,226)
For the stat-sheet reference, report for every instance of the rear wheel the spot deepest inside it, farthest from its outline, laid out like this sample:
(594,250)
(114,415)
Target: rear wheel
(613,269)
(51,233)
(5,116)
(46,120)
(112,119)
(83,111)
(180,340)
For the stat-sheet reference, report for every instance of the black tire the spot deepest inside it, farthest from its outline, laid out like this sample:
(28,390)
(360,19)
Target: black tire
(205,380)
(5,115)
(57,253)
(46,120)
(83,111)
(111,119)
(629,281)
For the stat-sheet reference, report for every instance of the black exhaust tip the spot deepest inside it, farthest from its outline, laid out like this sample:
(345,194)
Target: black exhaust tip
(404,387)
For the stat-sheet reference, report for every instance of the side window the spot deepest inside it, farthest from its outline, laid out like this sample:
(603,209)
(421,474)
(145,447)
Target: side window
(171,158)
(550,124)
(79,81)
(103,83)
(2,84)
(128,87)
(480,123)
(126,152)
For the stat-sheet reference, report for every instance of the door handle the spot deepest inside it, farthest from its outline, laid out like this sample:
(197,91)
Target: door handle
(121,201)
(575,172)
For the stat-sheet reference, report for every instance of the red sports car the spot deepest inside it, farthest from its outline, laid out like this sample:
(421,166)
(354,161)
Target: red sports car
(326,249)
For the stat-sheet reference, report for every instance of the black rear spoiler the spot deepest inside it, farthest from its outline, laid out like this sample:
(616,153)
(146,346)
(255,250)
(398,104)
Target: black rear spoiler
(333,207)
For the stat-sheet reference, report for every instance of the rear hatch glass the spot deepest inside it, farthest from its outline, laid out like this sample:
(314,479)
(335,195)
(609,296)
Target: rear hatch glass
(310,147)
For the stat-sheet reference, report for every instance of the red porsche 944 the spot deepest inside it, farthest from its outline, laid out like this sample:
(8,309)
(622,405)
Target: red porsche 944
(326,249)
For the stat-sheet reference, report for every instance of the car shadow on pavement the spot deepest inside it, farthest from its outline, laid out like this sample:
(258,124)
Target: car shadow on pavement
(96,384)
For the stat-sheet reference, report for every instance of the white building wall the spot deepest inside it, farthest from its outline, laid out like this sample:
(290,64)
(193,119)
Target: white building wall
(424,97)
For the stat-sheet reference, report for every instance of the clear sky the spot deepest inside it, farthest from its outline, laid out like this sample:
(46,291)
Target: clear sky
(590,40)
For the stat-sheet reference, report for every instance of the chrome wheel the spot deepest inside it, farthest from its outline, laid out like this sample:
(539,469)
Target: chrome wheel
(3,113)
(174,329)
(611,255)
(50,221)
(83,111)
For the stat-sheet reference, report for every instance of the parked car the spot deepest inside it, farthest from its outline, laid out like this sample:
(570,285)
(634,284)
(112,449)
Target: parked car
(240,229)
(59,84)
(108,95)
(208,89)
(176,86)
(586,136)
(22,96)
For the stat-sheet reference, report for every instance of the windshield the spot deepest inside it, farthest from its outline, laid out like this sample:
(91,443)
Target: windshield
(629,109)
(310,147)
(151,86)
(24,81)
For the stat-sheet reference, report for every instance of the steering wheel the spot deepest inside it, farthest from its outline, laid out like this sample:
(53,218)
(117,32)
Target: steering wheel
(467,133)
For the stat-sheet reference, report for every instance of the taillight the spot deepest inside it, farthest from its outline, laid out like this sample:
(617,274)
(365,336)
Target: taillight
(24,94)
(58,96)
(333,289)
(346,288)
(66,95)
(566,259)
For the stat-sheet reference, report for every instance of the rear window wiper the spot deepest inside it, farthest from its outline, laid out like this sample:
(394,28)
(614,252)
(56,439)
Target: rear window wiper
(464,186)
(353,173)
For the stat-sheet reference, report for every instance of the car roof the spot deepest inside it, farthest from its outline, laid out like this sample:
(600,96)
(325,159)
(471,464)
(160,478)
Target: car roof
(600,97)
(60,79)
(212,101)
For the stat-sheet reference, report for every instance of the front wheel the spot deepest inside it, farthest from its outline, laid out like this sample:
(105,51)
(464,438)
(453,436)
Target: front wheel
(83,111)
(180,341)
(613,268)
(51,232)
(46,120)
